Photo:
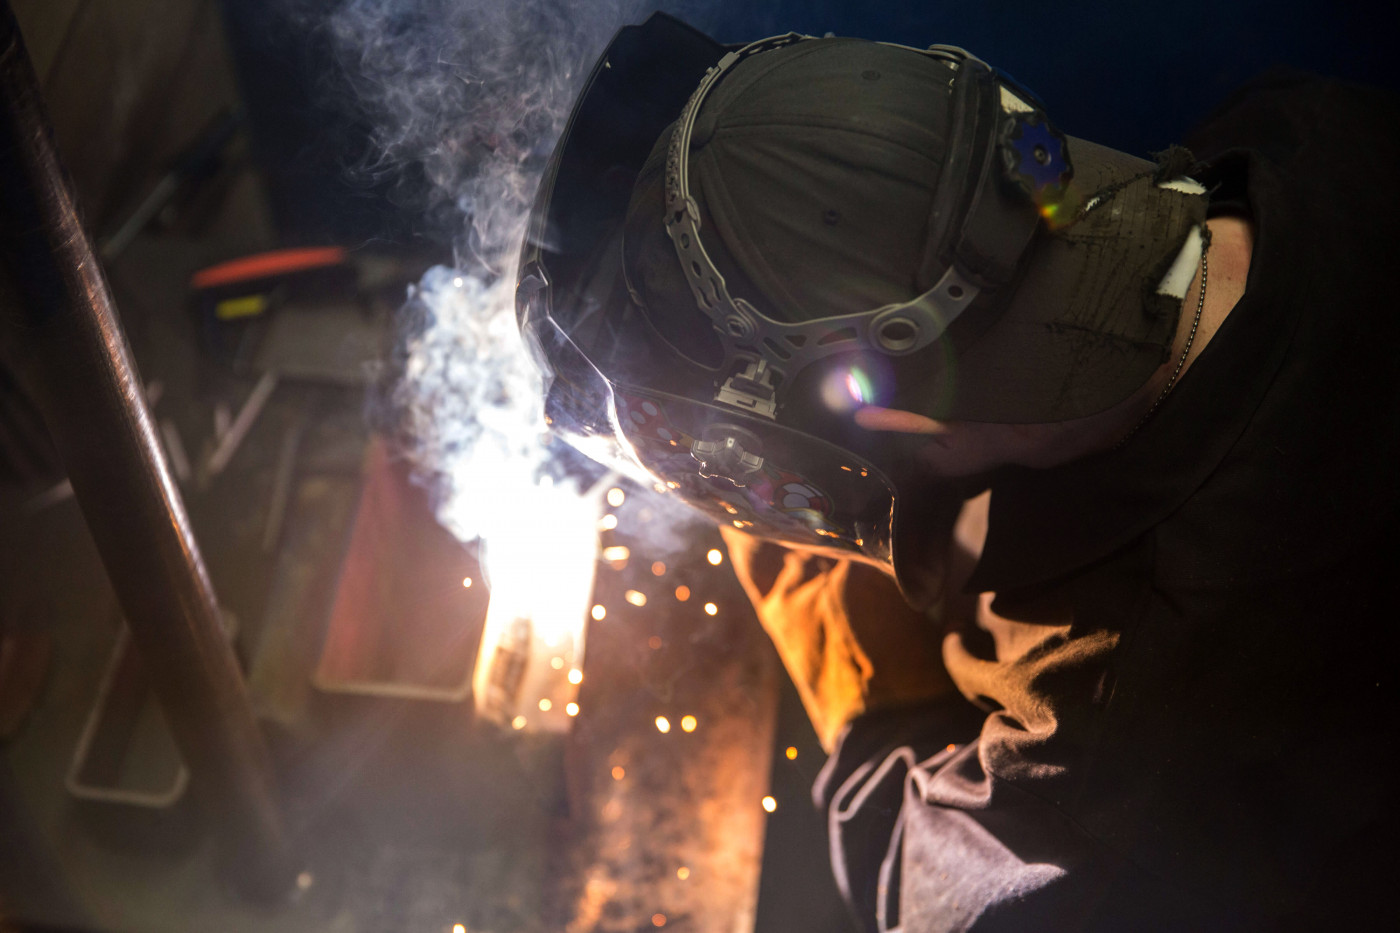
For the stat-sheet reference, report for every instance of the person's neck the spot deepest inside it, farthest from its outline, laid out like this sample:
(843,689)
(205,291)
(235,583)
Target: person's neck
(1230,251)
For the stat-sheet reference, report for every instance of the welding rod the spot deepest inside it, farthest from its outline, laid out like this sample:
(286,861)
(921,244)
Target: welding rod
(81,371)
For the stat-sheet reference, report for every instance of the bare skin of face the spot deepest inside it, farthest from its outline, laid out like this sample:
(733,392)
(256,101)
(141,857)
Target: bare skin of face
(966,448)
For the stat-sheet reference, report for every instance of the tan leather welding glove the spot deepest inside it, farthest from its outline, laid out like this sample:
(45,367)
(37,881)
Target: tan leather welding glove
(845,634)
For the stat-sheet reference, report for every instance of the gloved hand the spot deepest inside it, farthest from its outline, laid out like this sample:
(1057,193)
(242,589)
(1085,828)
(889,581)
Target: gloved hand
(845,634)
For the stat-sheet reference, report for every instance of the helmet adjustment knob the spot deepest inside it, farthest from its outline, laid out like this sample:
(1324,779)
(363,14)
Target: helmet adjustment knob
(726,451)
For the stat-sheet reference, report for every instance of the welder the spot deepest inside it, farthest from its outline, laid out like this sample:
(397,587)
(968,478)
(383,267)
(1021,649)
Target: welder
(1062,479)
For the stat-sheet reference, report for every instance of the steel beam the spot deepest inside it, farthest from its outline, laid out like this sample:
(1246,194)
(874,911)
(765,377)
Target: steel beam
(56,300)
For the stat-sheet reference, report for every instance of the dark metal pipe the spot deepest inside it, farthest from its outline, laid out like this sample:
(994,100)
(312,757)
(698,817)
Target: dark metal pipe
(56,300)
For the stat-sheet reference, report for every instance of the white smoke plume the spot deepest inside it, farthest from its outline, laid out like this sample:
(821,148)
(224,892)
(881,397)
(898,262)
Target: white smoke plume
(474,94)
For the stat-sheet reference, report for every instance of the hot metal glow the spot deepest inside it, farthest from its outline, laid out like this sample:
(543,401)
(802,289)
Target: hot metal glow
(533,633)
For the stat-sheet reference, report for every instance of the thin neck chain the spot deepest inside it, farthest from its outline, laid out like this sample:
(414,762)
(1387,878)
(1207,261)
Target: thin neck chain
(1190,339)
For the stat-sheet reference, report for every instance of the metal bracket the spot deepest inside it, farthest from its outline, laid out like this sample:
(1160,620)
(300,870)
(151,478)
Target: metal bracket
(752,390)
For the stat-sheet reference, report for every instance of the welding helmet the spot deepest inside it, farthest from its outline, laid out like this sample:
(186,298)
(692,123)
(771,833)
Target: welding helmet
(733,248)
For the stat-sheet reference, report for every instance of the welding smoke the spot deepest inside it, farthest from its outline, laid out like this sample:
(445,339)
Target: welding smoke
(470,96)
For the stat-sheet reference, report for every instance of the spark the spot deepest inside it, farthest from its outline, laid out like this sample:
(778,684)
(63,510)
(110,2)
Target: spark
(608,522)
(459,927)
(658,920)
(616,497)
(545,705)
(683,873)
(635,597)
(467,582)
(711,609)
(770,804)
(663,725)
(575,676)
(714,557)
(682,592)
(657,568)
(557,663)
(791,752)
(599,612)
(688,723)
(571,709)
(618,772)
(518,722)
(616,554)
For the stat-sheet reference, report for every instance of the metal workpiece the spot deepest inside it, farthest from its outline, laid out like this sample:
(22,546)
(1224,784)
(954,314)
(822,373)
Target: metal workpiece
(56,301)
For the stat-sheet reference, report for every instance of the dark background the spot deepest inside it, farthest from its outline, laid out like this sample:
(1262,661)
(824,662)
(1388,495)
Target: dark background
(1129,74)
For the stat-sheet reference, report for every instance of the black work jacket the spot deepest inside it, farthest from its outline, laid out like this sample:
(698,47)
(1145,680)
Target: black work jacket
(1182,713)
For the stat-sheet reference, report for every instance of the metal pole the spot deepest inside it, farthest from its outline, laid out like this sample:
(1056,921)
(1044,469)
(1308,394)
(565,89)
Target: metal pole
(55,299)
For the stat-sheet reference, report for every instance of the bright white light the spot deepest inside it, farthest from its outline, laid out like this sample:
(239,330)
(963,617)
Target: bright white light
(575,676)
(663,725)
(529,530)
(616,497)
(469,394)
(770,804)
(711,609)
(688,723)
(571,709)
(635,597)
(467,582)
(714,557)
